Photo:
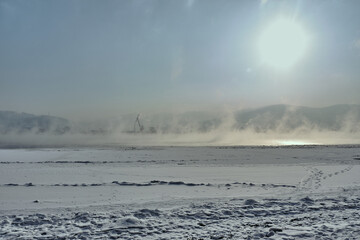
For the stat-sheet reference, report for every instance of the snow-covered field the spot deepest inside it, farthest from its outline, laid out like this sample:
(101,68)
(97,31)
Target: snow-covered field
(293,192)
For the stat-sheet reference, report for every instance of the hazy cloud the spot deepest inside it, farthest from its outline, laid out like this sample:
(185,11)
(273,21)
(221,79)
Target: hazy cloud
(177,63)
(263,2)
(357,43)
(189,3)
(91,59)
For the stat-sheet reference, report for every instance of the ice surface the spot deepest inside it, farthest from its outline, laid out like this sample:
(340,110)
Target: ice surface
(180,193)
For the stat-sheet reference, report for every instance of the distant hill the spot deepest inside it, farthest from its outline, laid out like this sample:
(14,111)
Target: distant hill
(286,118)
(277,118)
(13,122)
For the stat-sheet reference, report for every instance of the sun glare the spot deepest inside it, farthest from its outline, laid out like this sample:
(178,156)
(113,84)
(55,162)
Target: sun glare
(295,142)
(282,44)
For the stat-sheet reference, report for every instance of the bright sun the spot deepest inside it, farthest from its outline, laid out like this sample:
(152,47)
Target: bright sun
(282,43)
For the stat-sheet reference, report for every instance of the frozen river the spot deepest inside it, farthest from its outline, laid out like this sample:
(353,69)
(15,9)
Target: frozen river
(180,192)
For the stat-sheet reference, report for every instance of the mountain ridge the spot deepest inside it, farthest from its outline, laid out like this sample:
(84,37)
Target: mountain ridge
(280,118)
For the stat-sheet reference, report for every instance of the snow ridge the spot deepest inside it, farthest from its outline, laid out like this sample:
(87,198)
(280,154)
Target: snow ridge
(237,218)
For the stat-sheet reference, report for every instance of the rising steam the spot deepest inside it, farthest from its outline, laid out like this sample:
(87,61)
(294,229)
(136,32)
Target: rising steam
(273,125)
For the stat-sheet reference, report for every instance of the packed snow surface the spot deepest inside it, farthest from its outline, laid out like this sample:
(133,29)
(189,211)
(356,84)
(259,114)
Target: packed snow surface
(292,192)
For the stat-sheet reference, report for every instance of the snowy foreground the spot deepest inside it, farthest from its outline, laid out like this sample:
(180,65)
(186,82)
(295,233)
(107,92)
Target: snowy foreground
(308,192)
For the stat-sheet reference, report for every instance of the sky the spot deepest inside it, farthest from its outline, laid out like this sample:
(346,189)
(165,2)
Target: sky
(81,59)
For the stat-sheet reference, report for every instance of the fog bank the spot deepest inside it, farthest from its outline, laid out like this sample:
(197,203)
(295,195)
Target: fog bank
(272,125)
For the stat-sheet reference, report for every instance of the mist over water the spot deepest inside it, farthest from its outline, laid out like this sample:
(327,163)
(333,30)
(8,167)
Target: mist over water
(212,138)
(272,125)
